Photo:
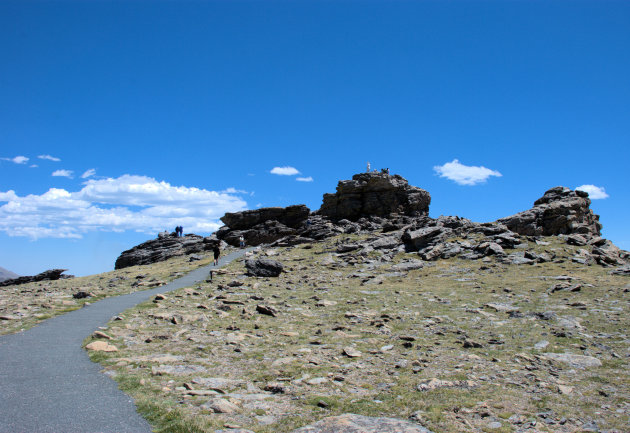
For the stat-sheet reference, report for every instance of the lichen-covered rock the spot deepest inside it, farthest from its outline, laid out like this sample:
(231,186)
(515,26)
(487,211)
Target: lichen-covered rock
(163,248)
(559,211)
(351,423)
(374,194)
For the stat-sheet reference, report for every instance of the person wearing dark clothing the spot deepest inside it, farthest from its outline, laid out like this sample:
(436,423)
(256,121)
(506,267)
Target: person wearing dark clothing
(217,253)
(181,231)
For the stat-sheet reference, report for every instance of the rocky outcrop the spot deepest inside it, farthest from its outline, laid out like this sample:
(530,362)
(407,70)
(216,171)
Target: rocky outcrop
(291,216)
(263,225)
(51,274)
(266,232)
(374,194)
(351,423)
(560,211)
(163,248)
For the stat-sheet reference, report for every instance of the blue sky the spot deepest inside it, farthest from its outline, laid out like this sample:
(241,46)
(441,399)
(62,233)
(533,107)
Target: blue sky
(137,116)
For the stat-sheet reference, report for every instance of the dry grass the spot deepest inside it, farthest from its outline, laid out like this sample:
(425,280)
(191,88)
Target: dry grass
(409,328)
(28,304)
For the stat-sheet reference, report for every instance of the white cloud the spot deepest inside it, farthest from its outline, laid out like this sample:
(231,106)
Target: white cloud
(126,203)
(33,166)
(63,173)
(18,159)
(285,171)
(464,174)
(304,179)
(88,173)
(232,190)
(594,192)
(50,158)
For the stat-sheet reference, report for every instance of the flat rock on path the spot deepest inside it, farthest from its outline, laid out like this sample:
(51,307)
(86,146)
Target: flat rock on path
(49,384)
(351,423)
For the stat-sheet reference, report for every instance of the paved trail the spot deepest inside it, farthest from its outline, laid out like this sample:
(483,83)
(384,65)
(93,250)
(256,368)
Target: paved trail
(48,383)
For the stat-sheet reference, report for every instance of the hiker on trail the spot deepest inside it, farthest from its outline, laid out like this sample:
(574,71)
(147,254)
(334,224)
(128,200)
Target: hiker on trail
(217,253)
(241,241)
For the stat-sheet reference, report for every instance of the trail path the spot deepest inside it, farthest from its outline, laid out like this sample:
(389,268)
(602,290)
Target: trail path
(48,383)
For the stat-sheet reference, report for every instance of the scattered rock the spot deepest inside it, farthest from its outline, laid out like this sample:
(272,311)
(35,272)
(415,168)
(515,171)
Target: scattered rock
(622,270)
(351,352)
(409,265)
(431,384)
(99,334)
(541,345)
(101,346)
(577,361)
(221,405)
(471,344)
(266,310)
(350,423)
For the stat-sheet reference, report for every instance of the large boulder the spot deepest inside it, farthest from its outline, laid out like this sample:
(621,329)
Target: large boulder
(291,216)
(374,194)
(163,248)
(51,274)
(263,267)
(560,211)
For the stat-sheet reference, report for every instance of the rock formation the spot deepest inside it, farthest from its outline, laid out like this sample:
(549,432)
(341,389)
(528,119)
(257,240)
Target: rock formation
(374,194)
(163,248)
(292,216)
(263,225)
(51,274)
(559,211)
(396,216)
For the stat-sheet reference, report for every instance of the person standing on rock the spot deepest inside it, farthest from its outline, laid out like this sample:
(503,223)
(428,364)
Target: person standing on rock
(241,241)
(368,167)
(217,253)
(181,231)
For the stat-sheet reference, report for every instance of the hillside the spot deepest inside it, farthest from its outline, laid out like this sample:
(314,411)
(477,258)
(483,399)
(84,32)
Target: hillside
(370,307)
(519,325)
(455,344)
(6,274)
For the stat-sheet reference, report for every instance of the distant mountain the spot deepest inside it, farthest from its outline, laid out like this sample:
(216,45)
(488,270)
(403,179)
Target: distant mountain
(7,275)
